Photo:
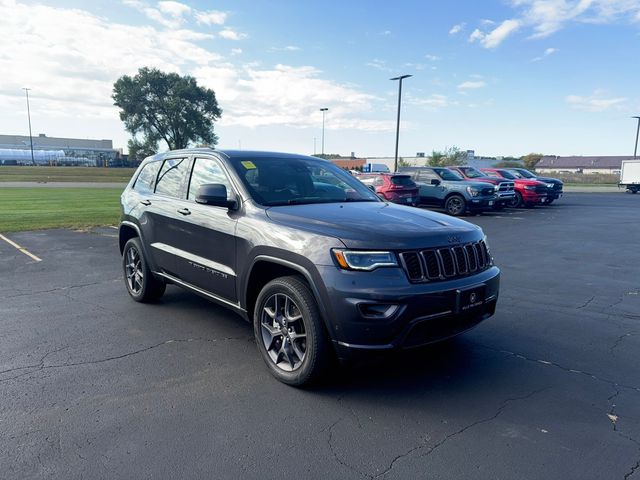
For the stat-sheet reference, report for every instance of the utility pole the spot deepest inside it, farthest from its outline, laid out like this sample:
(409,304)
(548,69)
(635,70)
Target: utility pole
(635,150)
(26,91)
(323,110)
(400,78)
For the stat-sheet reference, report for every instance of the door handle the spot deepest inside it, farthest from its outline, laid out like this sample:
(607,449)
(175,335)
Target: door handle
(145,202)
(184,211)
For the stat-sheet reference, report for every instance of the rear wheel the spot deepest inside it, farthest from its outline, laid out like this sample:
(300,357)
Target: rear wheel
(455,205)
(141,284)
(289,332)
(516,201)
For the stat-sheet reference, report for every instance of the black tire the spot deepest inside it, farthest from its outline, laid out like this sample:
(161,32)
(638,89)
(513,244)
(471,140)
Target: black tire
(142,285)
(634,191)
(282,352)
(516,201)
(498,207)
(455,205)
(550,201)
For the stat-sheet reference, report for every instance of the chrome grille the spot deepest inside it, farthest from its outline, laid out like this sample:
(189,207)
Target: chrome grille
(447,262)
(506,187)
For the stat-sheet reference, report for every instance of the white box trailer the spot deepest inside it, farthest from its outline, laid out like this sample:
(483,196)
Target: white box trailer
(630,175)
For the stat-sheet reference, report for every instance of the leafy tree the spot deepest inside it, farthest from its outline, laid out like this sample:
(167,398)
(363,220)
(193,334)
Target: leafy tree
(141,149)
(403,163)
(450,156)
(165,106)
(531,160)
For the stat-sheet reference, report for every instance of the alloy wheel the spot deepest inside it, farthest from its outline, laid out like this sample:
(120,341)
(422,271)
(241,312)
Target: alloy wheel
(133,271)
(283,332)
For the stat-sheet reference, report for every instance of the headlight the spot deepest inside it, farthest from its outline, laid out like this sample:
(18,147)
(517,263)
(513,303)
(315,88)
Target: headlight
(496,188)
(474,192)
(486,244)
(549,185)
(529,187)
(359,260)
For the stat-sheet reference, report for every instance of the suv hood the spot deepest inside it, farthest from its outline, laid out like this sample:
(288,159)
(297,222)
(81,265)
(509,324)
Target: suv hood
(555,181)
(377,225)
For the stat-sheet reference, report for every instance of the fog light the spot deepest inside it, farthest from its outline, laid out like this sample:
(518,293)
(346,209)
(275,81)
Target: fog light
(377,310)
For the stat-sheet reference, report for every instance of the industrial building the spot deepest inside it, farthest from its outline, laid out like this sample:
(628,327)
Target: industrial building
(16,150)
(579,164)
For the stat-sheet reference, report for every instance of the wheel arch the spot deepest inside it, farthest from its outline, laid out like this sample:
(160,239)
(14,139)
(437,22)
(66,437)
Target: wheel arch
(127,231)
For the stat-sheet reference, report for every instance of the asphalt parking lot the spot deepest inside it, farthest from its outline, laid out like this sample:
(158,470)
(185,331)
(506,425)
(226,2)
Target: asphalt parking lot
(94,385)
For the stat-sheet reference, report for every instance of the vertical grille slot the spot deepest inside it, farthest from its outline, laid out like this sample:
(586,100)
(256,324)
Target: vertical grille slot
(482,260)
(447,262)
(461,260)
(432,264)
(413,266)
(471,256)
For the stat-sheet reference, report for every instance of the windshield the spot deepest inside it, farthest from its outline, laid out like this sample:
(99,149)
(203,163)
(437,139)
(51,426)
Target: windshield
(525,173)
(516,173)
(507,174)
(289,181)
(472,172)
(446,174)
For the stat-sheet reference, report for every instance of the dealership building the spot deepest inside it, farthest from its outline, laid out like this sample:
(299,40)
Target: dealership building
(16,150)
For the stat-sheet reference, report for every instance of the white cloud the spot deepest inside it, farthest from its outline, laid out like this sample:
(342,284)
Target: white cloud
(288,48)
(432,102)
(229,34)
(432,58)
(457,28)
(175,9)
(378,65)
(596,102)
(546,53)
(496,36)
(471,85)
(286,95)
(71,71)
(236,51)
(211,17)
(386,33)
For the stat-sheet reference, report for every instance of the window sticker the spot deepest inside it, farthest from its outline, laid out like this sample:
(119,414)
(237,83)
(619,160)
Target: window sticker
(248,165)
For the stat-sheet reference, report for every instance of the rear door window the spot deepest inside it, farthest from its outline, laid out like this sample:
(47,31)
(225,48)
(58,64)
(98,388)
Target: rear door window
(146,180)
(171,177)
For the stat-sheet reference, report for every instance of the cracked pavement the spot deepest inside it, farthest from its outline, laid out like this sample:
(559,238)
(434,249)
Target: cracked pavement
(94,385)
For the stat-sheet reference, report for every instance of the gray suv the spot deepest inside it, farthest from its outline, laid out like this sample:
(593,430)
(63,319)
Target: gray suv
(447,189)
(309,255)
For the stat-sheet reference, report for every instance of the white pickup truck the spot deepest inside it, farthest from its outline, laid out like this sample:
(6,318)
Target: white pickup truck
(630,175)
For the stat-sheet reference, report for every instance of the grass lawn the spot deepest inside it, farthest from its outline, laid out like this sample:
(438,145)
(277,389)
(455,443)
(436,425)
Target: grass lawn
(38,208)
(64,174)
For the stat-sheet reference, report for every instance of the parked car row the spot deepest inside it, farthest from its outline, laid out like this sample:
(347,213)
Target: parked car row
(464,189)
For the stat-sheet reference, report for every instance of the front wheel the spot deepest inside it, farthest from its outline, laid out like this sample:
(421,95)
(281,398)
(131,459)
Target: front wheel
(455,205)
(141,284)
(516,201)
(289,332)
(550,201)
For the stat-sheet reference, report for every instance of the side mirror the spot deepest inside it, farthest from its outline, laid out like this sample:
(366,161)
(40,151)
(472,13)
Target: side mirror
(372,188)
(435,181)
(215,194)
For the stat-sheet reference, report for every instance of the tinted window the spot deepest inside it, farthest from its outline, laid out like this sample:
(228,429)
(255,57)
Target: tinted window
(171,176)
(206,170)
(472,172)
(506,174)
(298,180)
(448,175)
(147,177)
(402,180)
(426,176)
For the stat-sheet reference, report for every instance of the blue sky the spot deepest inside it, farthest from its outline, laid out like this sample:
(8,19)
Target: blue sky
(499,77)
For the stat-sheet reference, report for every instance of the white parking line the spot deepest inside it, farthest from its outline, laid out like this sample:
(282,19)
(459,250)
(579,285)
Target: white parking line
(23,250)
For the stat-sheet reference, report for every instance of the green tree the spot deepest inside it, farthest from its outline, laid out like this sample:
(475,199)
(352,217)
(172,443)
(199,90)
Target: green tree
(450,156)
(531,160)
(508,164)
(141,149)
(403,163)
(158,106)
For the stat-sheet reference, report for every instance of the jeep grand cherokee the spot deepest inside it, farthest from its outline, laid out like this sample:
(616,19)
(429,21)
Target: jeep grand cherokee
(313,258)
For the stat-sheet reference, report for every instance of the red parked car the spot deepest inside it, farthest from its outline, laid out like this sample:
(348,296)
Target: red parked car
(393,187)
(529,192)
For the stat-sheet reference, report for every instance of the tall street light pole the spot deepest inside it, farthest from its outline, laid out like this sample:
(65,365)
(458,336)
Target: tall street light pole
(323,110)
(635,150)
(26,91)
(400,78)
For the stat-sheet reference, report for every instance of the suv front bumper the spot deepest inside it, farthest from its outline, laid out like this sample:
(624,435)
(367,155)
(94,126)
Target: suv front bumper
(411,314)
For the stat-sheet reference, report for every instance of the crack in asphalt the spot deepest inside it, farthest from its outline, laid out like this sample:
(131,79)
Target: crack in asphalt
(612,383)
(41,364)
(448,437)
(57,289)
(620,339)
(587,302)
